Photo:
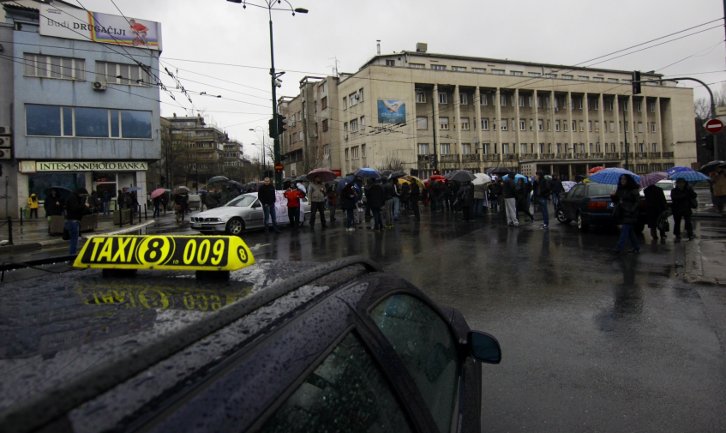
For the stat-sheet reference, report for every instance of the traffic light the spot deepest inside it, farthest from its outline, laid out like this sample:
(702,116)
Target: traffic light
(636,82)
(273,127)
(281,124)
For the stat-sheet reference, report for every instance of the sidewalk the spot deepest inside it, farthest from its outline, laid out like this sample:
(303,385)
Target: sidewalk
(33,234)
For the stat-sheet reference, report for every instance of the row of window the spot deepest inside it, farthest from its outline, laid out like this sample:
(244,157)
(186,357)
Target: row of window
(68,68)
(355,152)
(525,101)
(355,125)
(532,148)
(353,99)
(422,123)
(60,121)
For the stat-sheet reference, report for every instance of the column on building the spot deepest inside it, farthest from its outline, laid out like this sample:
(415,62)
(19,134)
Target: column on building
(601,119)
(631,129)
(477,122)
(658,127)
(537,135)
(498,124)
(618,119)
(437,132)
(457,151)
(586,110)
(515,127)
(571,138)
(644,122)
(553,133)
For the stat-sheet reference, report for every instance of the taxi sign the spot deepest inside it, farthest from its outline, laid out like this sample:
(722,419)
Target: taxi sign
(174,253)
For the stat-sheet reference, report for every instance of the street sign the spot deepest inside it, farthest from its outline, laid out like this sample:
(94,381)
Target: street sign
(721,111)
(714,126)
(279,167)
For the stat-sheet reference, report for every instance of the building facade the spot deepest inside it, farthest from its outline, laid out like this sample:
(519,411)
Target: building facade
(424,112)
(80,109)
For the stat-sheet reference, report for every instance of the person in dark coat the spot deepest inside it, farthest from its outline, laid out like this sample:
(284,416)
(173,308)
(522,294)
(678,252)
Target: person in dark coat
(556,189)
(76,206)
(413,198)
(53,204)
(655,205)
(465,197)
(348,202)
(542,189)
(522,198)
(627,208)
(683,199)
(266,195)
(376,199)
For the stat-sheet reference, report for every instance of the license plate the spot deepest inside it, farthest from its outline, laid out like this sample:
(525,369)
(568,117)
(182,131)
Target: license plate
(206,253)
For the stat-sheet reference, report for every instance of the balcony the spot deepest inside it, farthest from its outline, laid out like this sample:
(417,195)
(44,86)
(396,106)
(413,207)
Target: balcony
(471,157)
(490,157)
(449,158)
(668,155)
(612,156)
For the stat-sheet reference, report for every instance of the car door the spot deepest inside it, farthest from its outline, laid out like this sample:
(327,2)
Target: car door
(427,348)
(569,203)
(255,216)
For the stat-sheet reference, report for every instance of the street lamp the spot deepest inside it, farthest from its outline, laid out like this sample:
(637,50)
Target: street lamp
(274,77)
(263,146)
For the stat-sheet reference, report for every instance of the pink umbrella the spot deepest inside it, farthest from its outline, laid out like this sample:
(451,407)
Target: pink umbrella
(324,174)
(158,192)
(652,178)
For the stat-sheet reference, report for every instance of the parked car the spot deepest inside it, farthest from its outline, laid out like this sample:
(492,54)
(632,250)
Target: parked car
(244,213)
(591,204)
(279,347)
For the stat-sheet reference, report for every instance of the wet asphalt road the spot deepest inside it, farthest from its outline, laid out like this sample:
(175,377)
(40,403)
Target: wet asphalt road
(592,342)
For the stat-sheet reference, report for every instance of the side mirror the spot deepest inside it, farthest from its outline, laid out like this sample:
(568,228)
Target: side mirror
(484,347)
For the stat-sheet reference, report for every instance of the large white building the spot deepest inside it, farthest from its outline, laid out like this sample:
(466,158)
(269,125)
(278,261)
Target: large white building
(423,111)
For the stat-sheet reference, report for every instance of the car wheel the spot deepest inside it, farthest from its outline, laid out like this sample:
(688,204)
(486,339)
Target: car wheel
(562,216)
(581,224)
(235,226)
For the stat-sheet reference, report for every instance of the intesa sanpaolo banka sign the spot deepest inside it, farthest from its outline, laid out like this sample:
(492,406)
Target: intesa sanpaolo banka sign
(85,25)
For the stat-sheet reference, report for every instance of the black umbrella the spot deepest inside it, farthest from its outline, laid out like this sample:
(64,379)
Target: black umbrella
(711,166)
(397,174)
(461,176)
(217,179)
(497,170)
(62,192)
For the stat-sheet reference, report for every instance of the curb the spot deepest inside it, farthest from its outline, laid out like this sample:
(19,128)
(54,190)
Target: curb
(693,266)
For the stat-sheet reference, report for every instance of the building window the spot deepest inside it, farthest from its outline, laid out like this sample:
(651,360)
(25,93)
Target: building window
(574,126)
(503,100)
(583,77)
(63,68)
(612,126)
(567,77)
(464,98)
(423,148)
(485,148)
(498,71)
(52,120)
(324,103)
(589,125)
(582,126)
(637,104)
(640,127)
(362,122)
(417,65)
(565,126)
(345,127)
(346,155)
(420,96)
(466,148)
(354,125)
(505,148)
(360,95)
(484,99)
(522,148)
(599,79)
(390,62)
(444,123)
(522,100)
(458,68)
(422,122)
(651,107)
(443,98)
(652,127)
(534,74)
(597,126)
(479,70)
(438,67)
(354,153)
(503,125)
(540,125)
(485,124)
(613,80)
(345,103)
(353,98)
(121,73)
(325,125)
(557,126)
(464,121)
(516,73)
(522,125)
(445,149)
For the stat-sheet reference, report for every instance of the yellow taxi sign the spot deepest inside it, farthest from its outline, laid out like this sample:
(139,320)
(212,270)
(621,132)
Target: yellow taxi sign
(174,253)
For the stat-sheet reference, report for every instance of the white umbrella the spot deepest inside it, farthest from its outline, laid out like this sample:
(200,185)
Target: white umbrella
(481,179)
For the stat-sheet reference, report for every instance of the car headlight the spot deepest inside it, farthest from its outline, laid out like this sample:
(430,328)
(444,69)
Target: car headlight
(206,220)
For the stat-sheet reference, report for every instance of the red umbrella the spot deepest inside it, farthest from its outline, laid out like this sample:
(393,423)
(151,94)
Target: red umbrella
(437,177)
(594,170)
(158,192)
(324,174)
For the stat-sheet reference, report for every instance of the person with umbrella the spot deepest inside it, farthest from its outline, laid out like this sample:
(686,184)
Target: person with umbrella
(509,192)
(683,200)
(375,200)
(465,197)
(655,205)
(53,204)
(522,197)
(348,202)
(316,193)
(718,179)
(76,206)
(627,207)
(181,203)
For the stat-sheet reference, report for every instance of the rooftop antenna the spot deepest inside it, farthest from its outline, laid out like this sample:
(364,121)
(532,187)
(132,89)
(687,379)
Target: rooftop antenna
(378,47)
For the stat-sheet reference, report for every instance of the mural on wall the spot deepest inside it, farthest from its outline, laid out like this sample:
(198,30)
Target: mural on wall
(391,111)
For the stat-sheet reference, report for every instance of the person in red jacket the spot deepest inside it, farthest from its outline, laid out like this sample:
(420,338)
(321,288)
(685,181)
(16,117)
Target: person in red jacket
(293,196)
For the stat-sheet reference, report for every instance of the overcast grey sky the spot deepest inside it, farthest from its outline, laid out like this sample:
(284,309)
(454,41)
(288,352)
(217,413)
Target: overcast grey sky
(222,49)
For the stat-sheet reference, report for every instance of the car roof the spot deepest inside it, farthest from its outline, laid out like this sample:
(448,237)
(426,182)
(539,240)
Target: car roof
(108,332)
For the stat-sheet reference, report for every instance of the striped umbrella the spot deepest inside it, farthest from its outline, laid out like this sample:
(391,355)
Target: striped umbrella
(689,176)
(611,175)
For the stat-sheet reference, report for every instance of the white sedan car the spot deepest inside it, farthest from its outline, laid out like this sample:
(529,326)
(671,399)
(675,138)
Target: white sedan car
(243,213)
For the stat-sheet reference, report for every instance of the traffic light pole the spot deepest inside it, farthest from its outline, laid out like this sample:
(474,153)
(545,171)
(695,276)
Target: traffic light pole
(273,82)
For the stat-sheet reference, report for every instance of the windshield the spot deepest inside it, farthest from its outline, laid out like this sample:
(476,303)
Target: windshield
(242,201)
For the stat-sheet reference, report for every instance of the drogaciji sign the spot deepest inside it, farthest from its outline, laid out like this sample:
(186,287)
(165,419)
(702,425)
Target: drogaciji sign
(46,166)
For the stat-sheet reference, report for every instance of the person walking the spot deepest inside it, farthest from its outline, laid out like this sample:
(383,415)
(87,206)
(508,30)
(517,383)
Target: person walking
(465,197)
(293,196)
(375,199)
(414,197)
(522,198)
(556,189)
(348,202)
(106,202)
(542,190)
(76,206)
(266,195)
(718,179)
(156,201)
(33,205)
(683,201)
(316,193)
(655,205)
(627,207)
(509,192)
(388,193)
(332,197)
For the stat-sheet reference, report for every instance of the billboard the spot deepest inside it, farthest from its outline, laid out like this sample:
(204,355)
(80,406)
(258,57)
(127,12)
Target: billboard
(391,111)
(85,25)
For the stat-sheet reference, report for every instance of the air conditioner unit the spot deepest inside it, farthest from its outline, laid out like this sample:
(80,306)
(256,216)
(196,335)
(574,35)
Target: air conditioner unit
(5,141)
(4,130)
(345,137)
(6,154)
(99,86)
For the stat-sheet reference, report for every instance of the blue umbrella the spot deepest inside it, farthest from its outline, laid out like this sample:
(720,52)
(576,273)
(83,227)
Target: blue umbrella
(367,172)
(516,177)
(689,176)
(611,176)
(677,169)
